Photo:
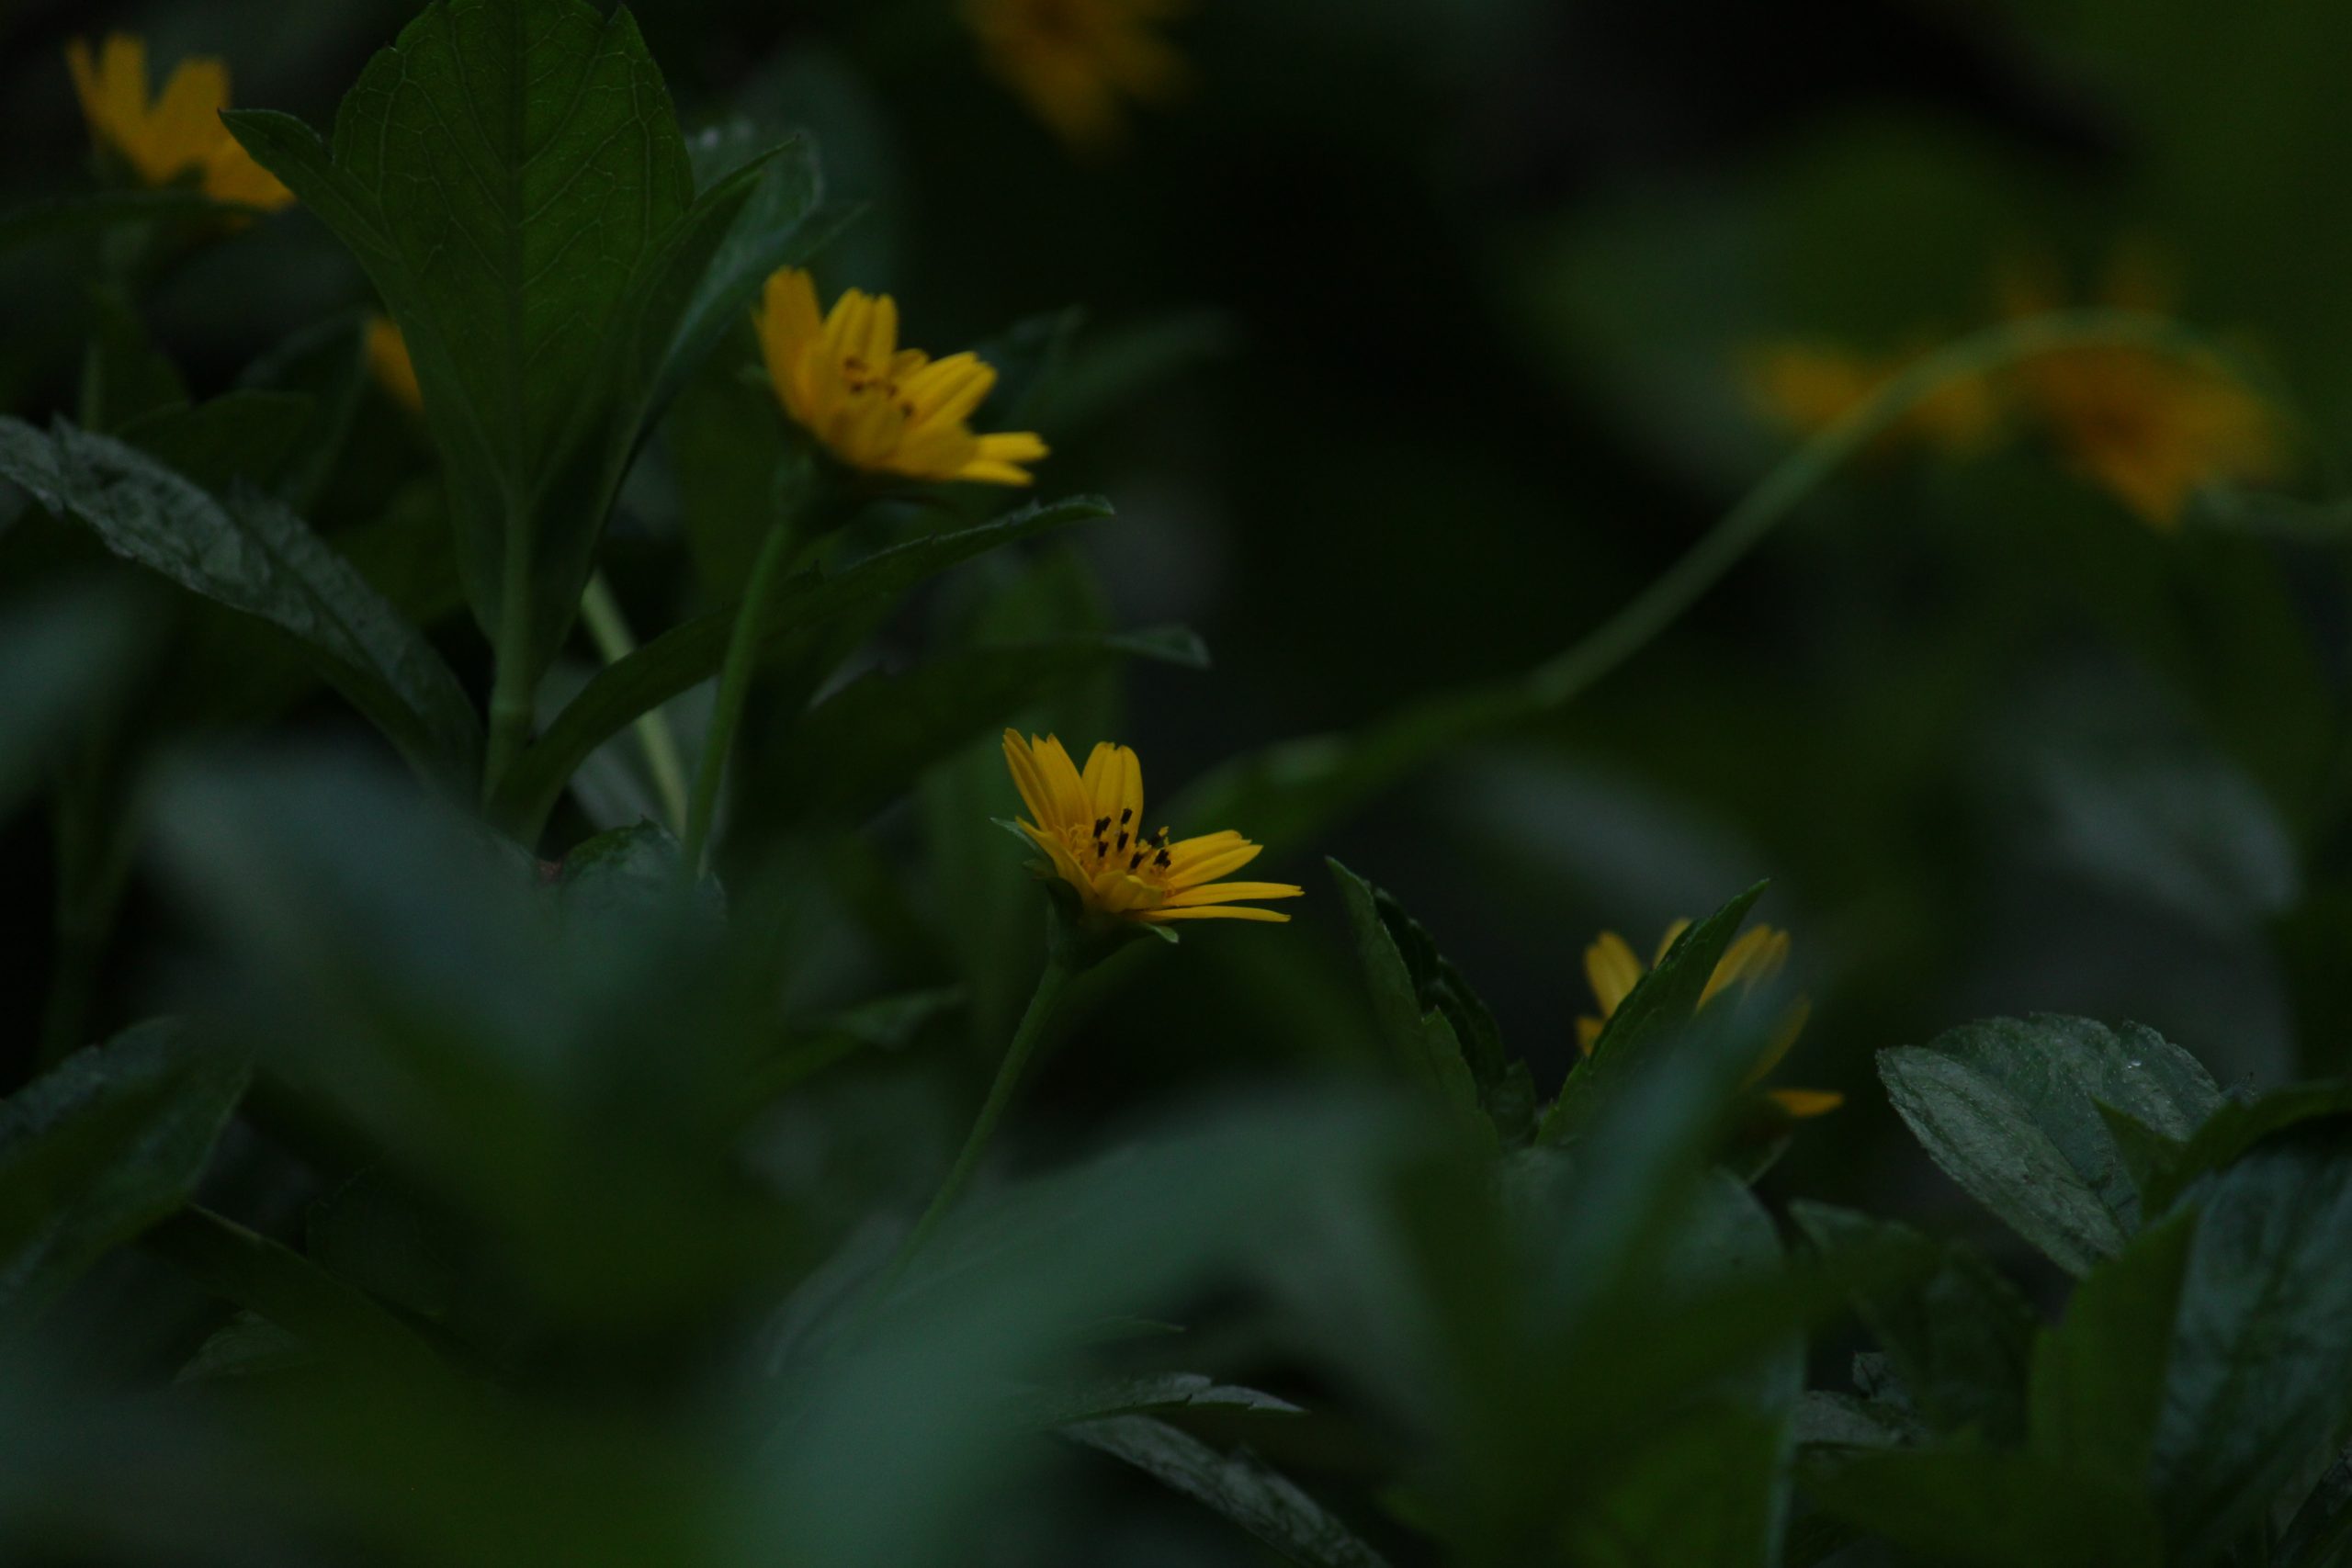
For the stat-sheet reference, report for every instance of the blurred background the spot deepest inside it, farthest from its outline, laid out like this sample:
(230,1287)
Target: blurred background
(1416,336)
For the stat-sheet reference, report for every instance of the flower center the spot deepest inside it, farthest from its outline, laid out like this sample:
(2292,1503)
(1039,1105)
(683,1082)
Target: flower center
(865,380)
(1118,845)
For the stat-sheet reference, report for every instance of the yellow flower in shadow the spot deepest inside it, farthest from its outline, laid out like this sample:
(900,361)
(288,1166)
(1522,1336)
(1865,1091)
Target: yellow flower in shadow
(1806,387)
(1757,957)
(1089,826)
(178,133)
(2151,429)
(1077,62)
(388,361)
(876,406)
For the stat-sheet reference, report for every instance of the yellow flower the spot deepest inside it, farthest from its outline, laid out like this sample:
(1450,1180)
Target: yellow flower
(877,406)
(2151,429)
(1755,958)
(1073,61)
(179,133)
(1808,387)
(389,362)
(1090,825)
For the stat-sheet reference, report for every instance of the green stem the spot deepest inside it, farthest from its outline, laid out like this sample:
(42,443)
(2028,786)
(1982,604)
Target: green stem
(512,689)
(256,1273)
(734,687)
(609,630)
(1297,789)
(1050,982)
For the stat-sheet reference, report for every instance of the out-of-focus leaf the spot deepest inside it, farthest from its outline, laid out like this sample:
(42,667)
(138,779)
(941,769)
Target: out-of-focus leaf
(253,556)
(1959,1335)
(327,365)
(2097,1384)
(2320,1531)
(246,1346)
(1102,1398)
(1987,1510)
(1238,1487)
(2009,1109)
(2260,1374)
(241,437)
(1661,1003)
(1414,1011)
(63,657)
(692,653)
(110,1140)
(1826,1419)
(632,874)
(96,211)
(510,175)
(868,742)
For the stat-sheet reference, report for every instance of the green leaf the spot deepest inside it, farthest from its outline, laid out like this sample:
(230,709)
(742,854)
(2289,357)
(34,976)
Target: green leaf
(106,1144)
(1413,1009)
(1661,1004)
(865,744)
(327,365)
(510,175)
(1989,1509)
(64,659)
(1240,1487)
(2097,1383)
(253,556)
(1102,1398)
(2261,1368)
(1956,1333)
(2009,1109)
(685,656)
(2236,1127)
(2319,1535)
(247,436)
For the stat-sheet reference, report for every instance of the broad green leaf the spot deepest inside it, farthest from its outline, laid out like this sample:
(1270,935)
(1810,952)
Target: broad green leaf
(1099,1399)
(1957,1334)
(106,1144)
(687,655)
(629,876)
(1662,1003)
(510,175)
(1237,1486)
(1826,1419)
(2236,1127)
(2261,1368)
(867,743)
(2008,1108)
(1987,1510)
(2319,1535)
(252,555)
(1419,1011)
(2097,1382)
(327,365)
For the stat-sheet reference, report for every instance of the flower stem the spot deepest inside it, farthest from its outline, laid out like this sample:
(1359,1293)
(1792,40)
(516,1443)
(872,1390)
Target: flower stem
(510,689)
(734,687)
(609,630)
(1050,982)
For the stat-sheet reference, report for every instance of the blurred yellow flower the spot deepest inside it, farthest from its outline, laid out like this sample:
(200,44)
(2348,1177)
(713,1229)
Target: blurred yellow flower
(1756,957)
(2151,429)
(876,406)
(178,133)
(1074,61)
(389,362)
(1089,826)
(1808,387)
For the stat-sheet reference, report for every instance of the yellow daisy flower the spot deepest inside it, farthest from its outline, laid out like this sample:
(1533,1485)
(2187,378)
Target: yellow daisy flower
(179,132)
(1074,61)
(389,362)
(876,406)
(1090,825)
(1808,387)
(1757,956)
(2151,429)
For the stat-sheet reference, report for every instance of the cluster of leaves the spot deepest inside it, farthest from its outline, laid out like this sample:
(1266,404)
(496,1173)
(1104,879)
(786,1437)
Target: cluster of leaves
(483,1208)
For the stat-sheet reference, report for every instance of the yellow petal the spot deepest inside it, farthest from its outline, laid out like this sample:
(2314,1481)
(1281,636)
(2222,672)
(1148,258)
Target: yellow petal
(1588,1033)
(1062,779)
(1804,1102)
(1214,912)
(1039,800)
(1613,970)
(1191,861)
(1231,892)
